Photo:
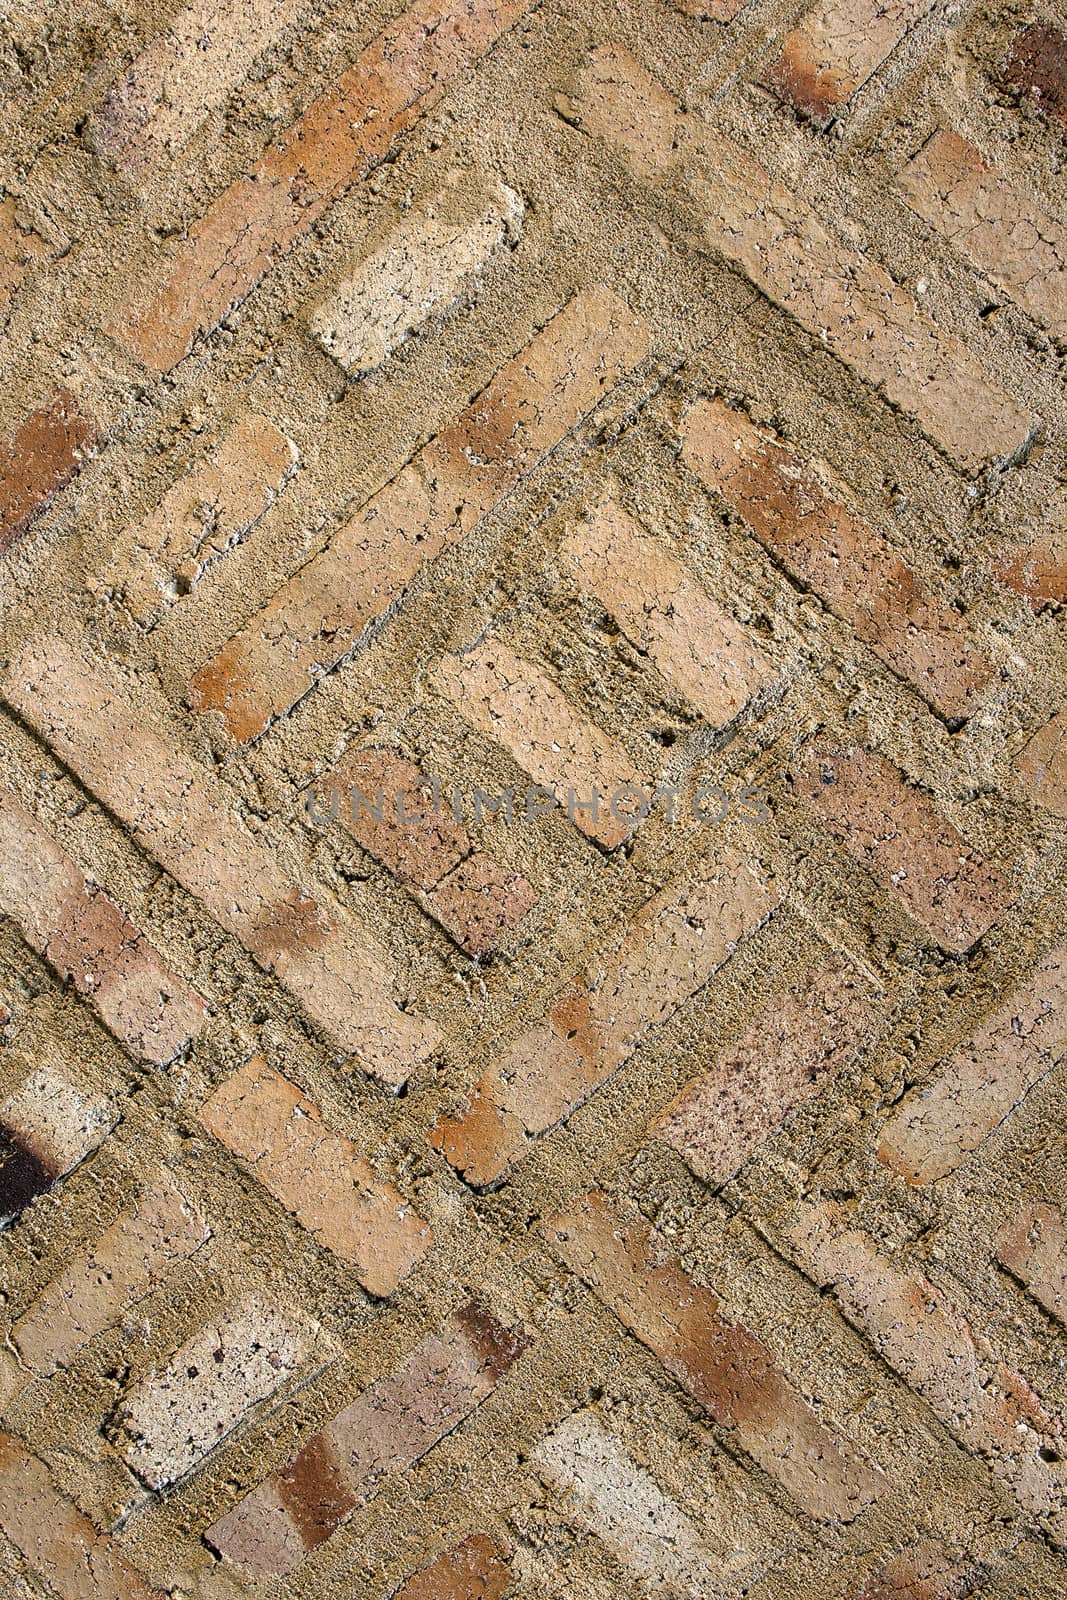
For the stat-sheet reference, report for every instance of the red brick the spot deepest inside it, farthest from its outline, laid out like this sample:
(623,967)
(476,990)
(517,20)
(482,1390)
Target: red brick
(836,48)
(983,1081)
(340,136)
(324,610)
(1033,1248)
(894,831)
(1036,65)
(47,451)
(1042,765)
(266,1121)
(1039,571)
(477,1569)
(90,944)
(720,1363)
(817,538)
(392,1425)
(678,940)
(48,1127)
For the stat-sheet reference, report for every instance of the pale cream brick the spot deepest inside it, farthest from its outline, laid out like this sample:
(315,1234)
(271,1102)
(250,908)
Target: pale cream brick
(49,1127)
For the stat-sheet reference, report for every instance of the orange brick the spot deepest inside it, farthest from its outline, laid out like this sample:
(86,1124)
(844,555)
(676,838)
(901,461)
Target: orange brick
(393,1424)
(983,1081)
(1042,765)
(47,451)
(1039,571)
(266,1121)
(184,817)
(338,139)
(836,48)
(720,1363)
(1036,65)
(323,611)
(894,831)
(477,1569)
(47,1128)
(822,542)
(678,940)
(90,944)
(1033,1248)
(20,250)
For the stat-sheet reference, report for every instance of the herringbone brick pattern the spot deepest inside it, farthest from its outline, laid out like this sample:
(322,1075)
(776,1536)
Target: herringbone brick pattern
(533,777)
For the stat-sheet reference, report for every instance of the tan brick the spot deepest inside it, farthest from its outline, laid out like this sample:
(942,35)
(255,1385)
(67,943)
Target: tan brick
(101,1283)
(802,1040)
(212,508)
(1042,765)
(836,48)
(48,449)
(341,135)
(89,942)
(323,611)
(21,248)
(662,609)
(677,941)
(477,1569)
(1039,570)
(720,1363)
(185,818)
(433,256)
(983,1081)
(894,831)
(925,1572)
(841,297)
(1036,65)
(47,1128)
(392,1425)
(817,538)
(1033,1248)
(59,1543)
(181,76)
(993,222)
(992,1411)
(266,1121)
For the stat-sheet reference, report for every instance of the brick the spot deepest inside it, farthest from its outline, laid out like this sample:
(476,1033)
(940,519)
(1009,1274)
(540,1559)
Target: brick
(48,449)
(47,1128)
(21,249)
(324,610)
(103,1282)
(474,898)
(992,1411)
(677,941)
(994,223)
(59,1543)
(477,1569)
(1033,1248)
(982,1081)
(340,137)
(836,48)
(820,541)
(801,1042)
(180,77)
(924,1572)
(894,831)
(89,943)
(266,1121)
(1042,765)
(184,817)
(433,257)
(174,1418)
(210,509)
(710,10)
(392,1425)
(1036,65)
(664,612)
(848,303)
(726,1368)
(1039,571)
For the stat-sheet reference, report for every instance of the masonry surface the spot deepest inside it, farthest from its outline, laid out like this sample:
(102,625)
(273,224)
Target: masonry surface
(545,400)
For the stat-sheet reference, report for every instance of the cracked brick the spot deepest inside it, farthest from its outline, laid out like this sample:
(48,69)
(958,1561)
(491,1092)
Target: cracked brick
(836,48)
(1033,1248)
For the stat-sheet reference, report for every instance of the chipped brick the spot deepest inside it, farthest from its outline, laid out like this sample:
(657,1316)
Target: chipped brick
(477,1569)
(1039,571)
(836,48)
(47,1128)
(1042,765)
(1033,1248)
(49,449)
(21,248)
(1036,65)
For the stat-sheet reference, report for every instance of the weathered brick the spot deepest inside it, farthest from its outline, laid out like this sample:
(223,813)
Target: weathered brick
(392,1425)
(843,298)
(992,1411)
(983,1081)
(433,256)
(1033,1248)
(477,1569)
(710,10)
(21,248)
(677,941)
(49,449)
(322,612)
(181,76)
(47,1128)
(59,1543)
(1036,65)
(662,609)
(212,508)
(818,539)
(997,225)
(728,1370)
(266,1121)
(89,942)
(175,1417)
(925,1572)
(1039,571)
(836,48)
(1042,765)
(894,831)
(102,1282)
(802,1040)
(341,135)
